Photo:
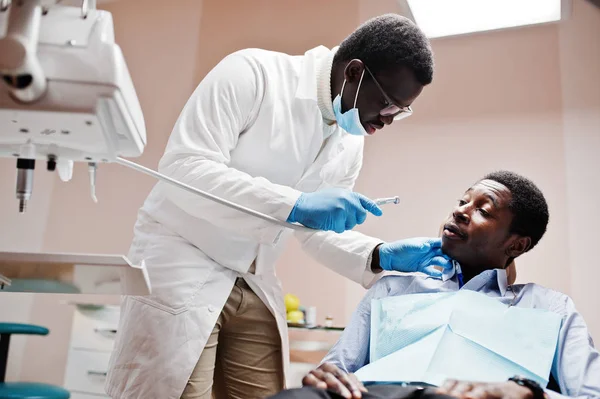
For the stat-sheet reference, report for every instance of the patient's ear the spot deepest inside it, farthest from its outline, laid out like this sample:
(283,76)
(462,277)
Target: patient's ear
(518,246)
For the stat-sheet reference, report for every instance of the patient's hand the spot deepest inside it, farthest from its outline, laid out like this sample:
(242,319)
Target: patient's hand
(329,376)
(479,390)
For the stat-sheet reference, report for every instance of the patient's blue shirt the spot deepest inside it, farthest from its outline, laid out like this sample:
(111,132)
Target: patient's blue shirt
(576,365)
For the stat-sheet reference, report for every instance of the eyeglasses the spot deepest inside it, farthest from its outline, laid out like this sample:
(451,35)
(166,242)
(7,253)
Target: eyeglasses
(391,109)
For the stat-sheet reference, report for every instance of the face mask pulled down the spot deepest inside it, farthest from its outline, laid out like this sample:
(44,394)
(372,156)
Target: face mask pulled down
(349,120)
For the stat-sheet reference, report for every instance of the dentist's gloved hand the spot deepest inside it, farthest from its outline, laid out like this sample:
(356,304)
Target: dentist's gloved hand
(332,209)
(418,254)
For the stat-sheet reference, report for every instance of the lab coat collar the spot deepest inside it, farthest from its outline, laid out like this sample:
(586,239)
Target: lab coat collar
(314,82)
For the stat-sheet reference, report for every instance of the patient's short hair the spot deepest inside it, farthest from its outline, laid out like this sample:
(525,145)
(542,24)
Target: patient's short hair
(528,205)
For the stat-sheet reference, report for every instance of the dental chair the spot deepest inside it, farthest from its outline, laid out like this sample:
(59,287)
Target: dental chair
(23,390)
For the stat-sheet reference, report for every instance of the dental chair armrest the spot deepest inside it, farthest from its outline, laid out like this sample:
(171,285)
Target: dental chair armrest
(25,329)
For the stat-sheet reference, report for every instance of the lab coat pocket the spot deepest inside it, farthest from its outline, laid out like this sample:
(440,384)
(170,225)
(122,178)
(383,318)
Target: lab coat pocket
(156,304)
(177,271)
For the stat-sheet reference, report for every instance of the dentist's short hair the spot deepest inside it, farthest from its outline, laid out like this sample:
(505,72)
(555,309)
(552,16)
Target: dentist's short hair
(388,41)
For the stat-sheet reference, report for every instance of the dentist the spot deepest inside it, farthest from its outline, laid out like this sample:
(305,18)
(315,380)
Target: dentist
(283,135)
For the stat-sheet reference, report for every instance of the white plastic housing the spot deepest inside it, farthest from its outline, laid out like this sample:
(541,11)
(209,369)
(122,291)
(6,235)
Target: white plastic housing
(90,111)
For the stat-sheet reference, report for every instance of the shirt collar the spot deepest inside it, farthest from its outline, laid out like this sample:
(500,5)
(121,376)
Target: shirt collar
(498,274)
(447,274)
(502,280)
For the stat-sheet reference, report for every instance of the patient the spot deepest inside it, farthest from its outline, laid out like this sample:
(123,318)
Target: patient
(498,219)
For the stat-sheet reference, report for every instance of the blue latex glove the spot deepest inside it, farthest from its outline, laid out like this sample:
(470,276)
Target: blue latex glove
(418,254)
(332,209)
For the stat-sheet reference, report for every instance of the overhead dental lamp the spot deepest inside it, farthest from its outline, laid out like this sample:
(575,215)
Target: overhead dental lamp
(66,94)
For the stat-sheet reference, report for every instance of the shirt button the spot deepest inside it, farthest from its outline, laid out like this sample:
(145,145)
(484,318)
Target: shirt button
(211,308)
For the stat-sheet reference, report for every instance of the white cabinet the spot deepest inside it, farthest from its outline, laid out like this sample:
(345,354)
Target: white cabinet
(92,339)
(86,371)
(95,328)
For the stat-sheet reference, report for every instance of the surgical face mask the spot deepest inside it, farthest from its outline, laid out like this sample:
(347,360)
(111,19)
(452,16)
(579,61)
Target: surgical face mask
(349,120)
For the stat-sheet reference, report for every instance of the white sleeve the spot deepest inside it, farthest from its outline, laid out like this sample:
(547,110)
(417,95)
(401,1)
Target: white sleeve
(348,254)
(198,153)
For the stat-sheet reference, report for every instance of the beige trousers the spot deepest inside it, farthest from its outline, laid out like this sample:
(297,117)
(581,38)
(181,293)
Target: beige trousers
(242,358)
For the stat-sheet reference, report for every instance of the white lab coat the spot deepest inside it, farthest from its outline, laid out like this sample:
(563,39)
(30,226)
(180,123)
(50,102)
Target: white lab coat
(253,133)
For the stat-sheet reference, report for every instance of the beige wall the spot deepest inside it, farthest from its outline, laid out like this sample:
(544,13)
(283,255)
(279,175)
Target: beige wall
(580,79)
(511,99)
(291,27)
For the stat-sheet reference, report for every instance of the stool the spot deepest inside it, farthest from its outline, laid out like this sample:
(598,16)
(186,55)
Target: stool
(24,390)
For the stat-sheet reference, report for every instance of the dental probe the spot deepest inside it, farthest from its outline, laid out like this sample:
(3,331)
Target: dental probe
(391,200)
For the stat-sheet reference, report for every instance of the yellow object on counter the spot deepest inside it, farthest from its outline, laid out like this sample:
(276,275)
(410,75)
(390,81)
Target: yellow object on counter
(295,316)
(292,302)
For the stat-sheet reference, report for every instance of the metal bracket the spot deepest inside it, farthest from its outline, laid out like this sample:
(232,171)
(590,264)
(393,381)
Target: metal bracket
(4,281)
(4,4)
(85,8)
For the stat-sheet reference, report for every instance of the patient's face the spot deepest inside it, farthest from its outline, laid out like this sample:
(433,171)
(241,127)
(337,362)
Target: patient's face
(477,232)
